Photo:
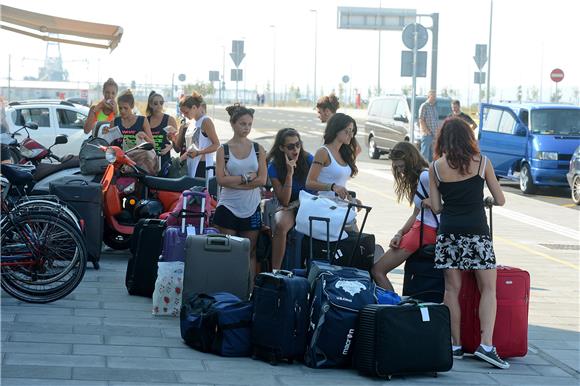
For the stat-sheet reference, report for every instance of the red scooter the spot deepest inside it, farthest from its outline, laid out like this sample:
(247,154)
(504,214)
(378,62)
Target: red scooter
(146,197)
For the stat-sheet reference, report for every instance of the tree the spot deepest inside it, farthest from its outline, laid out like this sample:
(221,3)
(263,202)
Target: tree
(576,93)
(532,93)
(341,90)
(519,93)
(406,90)
(203,88)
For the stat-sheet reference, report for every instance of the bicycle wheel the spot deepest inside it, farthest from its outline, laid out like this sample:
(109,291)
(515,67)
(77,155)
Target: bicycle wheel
(43,257)
(46,204)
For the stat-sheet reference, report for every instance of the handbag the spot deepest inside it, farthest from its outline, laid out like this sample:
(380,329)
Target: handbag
(336,210)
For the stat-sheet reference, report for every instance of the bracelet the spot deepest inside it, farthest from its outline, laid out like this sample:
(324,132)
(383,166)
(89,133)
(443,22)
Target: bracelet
(244,180)
(332,186)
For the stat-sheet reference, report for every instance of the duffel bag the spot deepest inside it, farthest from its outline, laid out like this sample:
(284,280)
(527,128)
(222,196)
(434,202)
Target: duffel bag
(92,159)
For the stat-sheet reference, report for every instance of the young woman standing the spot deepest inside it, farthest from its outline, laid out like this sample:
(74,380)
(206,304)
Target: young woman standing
(458,176)
(241,171)
(158,121)
(106,109)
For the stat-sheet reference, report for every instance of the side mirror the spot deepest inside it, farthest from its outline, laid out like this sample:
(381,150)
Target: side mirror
(32,125)
(61,139)
(400,118)
(521,131)
(145,146)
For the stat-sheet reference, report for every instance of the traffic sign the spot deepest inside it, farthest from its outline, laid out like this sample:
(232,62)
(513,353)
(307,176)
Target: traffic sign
(480,55)
(407,64)
(214,76)
(479,77)
(345,79)
(237,53)
(181,77)
(237,75)
(409,36)
(557,75)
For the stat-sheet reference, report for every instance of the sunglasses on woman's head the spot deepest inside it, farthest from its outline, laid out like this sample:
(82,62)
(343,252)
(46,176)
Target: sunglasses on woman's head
(292,146)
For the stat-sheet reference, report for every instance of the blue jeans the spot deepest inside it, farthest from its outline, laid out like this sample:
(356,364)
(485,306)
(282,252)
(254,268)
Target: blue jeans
(427,147)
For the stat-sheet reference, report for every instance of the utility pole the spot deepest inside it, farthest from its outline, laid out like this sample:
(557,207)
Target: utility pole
(489,52)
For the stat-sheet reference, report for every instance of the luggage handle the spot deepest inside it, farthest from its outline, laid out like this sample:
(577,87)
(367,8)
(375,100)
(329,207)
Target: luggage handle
(311,219)
(355,247)
(186,194)
(217,243)
(285,272)
(78,180)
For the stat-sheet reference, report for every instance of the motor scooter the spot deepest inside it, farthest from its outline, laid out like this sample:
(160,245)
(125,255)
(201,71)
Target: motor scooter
(121,206)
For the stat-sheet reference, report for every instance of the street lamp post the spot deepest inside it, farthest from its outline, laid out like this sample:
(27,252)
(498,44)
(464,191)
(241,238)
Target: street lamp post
(315,11)
(273,65)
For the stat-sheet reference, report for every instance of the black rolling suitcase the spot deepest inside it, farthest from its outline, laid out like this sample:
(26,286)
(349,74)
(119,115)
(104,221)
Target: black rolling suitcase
(280,319)
(402,339)
(357,250)
(87,199)
(146,247)
(422,280)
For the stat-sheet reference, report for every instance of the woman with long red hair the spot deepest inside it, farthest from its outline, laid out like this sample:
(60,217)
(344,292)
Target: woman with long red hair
(463,242)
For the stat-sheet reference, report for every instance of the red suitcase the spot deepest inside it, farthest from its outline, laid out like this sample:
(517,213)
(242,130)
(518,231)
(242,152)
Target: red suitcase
(510,334)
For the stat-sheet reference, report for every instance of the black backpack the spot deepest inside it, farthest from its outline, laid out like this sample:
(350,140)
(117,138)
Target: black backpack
(92,159)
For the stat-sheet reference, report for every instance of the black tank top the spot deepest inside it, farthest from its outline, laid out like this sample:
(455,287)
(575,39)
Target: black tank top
(463,209)
(159,135)
(129,133)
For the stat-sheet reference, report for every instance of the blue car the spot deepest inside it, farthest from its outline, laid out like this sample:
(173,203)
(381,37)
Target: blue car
(530,142)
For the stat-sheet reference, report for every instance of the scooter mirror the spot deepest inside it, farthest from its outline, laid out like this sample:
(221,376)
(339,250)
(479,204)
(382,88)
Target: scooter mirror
(32,125)
(61,139)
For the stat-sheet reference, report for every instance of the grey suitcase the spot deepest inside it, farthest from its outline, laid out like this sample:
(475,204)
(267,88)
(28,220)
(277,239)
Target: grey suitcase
(216,263)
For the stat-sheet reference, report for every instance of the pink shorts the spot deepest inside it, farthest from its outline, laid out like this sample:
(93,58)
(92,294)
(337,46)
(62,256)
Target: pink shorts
(410,240)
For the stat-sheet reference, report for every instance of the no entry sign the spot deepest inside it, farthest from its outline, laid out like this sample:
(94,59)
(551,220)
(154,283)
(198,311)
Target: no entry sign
(557,75)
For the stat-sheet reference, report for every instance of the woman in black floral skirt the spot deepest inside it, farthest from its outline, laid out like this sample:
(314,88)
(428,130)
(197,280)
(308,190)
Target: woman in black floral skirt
(463,241)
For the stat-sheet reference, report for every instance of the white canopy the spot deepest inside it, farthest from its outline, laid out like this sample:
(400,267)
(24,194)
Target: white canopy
(45,27)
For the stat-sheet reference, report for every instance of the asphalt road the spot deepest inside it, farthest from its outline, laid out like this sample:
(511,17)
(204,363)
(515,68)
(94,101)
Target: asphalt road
(268,121)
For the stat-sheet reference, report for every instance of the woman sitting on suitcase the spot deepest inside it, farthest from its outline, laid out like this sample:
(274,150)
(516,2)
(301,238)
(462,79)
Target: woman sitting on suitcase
(458,177)
(412,183)
(241,171)
(335,162)
(288,168)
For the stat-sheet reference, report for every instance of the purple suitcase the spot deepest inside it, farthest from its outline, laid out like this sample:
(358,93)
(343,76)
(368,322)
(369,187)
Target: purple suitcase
(174,236)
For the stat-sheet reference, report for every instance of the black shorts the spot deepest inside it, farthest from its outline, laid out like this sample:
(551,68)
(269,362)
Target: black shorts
(223,217)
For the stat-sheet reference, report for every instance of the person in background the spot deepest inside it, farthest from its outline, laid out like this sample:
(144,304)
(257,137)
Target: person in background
(411,173)
(428,121)
(106,109)
(288,167)
(201,140)
(241,171)
(463,241)
(161,124)
(326,107)
(335,162)
(456,112)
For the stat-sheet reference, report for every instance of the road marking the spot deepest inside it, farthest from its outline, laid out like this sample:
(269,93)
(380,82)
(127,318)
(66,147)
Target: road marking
(350,183)
(376,173)
(535,252)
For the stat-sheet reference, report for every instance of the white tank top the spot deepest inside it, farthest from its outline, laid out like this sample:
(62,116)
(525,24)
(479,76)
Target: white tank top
(333,173)
(194,136)
(242,203)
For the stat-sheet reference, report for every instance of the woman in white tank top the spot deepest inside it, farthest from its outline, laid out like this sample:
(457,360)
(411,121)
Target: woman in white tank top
(241,171)
(201,140)
(334,162)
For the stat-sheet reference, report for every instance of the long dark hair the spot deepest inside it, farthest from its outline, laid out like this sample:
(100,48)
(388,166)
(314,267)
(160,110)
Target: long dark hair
(152,94)
(335,124)
(407,180)
(277,157)
(456,140)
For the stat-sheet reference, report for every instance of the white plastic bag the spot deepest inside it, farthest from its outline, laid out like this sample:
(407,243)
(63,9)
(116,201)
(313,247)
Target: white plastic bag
(333,209)
(168,288)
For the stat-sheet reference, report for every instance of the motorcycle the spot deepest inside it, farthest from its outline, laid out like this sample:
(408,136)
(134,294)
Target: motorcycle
(129,197)
(10,144)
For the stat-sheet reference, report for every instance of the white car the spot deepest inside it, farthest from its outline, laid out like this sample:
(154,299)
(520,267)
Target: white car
(53,117)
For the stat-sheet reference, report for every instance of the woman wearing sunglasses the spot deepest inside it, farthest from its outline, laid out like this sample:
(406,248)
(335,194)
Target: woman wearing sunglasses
(335,162)
(201,139)
(161,124)
(411,173)
(288,167)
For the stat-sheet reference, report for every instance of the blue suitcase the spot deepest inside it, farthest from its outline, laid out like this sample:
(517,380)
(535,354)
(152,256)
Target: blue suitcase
(280,318)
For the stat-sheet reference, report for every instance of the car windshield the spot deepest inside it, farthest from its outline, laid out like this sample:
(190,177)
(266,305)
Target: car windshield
(555,121)
(443,106)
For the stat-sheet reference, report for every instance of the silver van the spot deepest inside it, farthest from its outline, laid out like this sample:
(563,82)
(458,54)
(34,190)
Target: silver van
(388,121)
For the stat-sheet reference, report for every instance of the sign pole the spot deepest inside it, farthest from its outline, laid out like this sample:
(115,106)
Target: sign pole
(413,87)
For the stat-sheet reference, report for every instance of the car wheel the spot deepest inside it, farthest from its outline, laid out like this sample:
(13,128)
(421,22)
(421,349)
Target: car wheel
(526,182)
(576,189)
(374,153)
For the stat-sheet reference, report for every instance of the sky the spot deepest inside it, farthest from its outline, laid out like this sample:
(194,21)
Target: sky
(166,38)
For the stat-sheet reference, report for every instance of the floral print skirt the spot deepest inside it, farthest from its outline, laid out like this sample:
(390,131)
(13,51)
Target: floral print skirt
(464,251)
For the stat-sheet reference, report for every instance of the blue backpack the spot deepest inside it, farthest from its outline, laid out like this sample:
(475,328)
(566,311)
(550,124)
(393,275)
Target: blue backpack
(337,298)
(219,323)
